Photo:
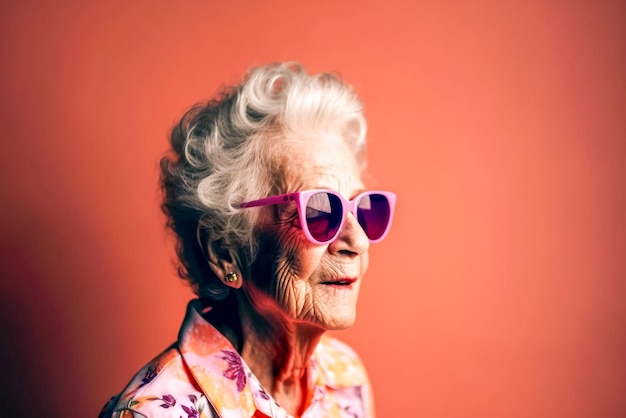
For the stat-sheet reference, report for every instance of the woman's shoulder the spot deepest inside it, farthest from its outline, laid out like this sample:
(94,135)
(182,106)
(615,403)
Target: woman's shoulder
(335,347)
(163,387)
(339,362)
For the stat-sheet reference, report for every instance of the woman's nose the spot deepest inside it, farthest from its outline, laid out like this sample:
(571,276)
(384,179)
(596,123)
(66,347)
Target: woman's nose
(351,239)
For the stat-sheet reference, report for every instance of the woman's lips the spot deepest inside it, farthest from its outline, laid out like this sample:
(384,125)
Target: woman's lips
(340,282)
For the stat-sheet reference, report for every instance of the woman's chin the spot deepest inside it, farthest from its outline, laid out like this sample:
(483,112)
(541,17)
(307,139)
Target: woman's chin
(341,321)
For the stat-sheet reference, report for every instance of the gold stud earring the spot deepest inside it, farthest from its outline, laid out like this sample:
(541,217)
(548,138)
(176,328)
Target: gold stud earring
(231,277)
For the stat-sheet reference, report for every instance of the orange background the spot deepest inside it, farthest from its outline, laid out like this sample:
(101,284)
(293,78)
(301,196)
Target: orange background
(500,291)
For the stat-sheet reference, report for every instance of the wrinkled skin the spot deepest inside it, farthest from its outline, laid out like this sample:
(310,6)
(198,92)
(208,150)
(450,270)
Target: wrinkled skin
(300,277)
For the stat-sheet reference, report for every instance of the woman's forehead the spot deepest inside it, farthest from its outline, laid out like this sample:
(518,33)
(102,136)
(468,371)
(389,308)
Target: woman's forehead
(325,163)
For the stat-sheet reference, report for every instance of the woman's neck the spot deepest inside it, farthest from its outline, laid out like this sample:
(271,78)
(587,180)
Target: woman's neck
(278,349)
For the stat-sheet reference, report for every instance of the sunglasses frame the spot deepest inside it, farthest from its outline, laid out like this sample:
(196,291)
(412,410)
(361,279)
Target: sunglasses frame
(302,198)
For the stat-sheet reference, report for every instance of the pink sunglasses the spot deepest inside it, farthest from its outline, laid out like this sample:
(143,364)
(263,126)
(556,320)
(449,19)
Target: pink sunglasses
(323,212)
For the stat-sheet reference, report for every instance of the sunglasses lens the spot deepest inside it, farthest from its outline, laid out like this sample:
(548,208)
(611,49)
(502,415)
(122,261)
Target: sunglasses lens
(323,216)
(374,212)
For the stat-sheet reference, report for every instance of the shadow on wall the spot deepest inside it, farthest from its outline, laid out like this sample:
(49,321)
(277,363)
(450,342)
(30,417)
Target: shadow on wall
(42,266)
(31,331)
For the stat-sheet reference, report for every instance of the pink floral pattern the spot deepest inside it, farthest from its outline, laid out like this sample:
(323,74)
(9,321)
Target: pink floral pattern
(235,370)
(203,376)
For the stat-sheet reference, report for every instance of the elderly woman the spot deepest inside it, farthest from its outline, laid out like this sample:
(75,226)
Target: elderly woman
(264,192)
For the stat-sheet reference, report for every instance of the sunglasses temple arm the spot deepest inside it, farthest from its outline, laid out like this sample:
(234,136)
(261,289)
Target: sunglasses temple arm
(272,200)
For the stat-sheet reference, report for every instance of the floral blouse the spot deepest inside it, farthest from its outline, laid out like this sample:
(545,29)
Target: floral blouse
(203,376)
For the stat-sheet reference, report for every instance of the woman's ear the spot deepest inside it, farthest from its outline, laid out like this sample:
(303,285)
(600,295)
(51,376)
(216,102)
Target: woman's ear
(224,264)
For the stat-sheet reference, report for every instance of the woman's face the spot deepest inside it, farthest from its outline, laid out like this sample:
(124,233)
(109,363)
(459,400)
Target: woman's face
(306,282)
